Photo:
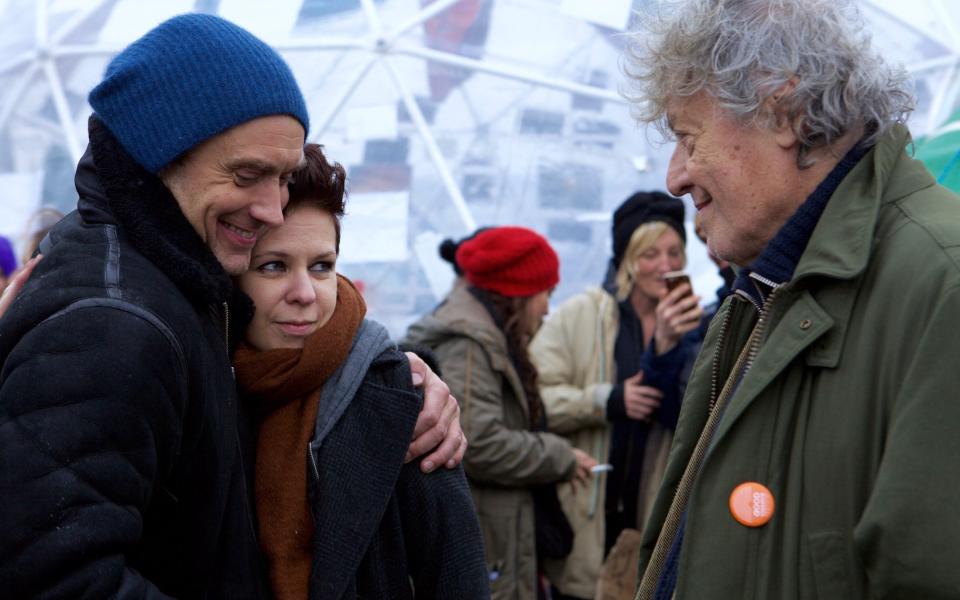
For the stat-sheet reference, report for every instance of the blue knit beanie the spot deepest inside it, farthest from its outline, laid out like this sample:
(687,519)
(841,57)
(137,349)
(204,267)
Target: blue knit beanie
(187,80)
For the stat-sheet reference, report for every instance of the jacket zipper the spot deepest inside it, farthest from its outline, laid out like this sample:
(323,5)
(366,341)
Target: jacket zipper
(243,468)
(226,326)
(651,576)
(715,371)
(762,322)
(226,336)
(755,340)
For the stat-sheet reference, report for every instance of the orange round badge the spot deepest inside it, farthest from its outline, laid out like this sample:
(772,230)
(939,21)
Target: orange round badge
(751,504)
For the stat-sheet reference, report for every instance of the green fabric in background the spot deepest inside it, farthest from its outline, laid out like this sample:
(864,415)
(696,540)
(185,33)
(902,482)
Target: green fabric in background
(939,151)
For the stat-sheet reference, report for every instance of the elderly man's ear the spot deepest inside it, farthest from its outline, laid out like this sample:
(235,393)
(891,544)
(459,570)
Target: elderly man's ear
(778,107)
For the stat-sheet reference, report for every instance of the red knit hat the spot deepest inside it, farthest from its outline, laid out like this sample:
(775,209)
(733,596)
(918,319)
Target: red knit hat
(512,261)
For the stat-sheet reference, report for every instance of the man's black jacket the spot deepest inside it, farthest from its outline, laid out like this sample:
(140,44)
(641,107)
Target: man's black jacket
(121,440)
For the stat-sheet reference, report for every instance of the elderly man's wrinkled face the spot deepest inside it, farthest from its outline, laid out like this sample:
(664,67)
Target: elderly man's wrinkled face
(233,186)
(743,179)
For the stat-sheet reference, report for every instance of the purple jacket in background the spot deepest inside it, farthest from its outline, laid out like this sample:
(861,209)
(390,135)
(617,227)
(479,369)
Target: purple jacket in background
(8,259)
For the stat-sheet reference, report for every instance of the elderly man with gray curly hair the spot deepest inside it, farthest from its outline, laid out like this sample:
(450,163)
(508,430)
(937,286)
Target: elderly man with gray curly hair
(817,450)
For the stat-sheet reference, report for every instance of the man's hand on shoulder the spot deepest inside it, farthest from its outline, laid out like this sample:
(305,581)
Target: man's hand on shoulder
(438,425)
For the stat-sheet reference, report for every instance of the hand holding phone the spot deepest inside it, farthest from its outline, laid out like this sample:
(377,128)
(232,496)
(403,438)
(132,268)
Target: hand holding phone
(677,312)
(675,279)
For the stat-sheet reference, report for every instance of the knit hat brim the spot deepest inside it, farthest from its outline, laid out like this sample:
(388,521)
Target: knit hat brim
(187,80)
(642,208)
(511,261)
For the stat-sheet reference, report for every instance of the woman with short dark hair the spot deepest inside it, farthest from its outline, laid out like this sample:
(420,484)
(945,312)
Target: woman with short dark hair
(340,514)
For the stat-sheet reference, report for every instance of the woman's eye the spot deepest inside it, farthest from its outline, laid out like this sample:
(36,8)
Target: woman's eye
(274,266)
(321,267)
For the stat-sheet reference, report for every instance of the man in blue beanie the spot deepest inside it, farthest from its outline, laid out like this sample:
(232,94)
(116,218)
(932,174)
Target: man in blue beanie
(124,456)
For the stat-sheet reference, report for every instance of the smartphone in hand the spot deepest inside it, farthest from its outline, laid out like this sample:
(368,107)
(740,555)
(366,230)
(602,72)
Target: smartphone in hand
(674,279)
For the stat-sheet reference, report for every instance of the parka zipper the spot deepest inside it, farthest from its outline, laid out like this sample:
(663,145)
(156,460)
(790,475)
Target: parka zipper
(651,576)
(762,321)
(755,340)
(715,370)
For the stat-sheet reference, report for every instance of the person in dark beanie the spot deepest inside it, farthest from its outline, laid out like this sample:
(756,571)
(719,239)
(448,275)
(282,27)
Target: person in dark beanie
(124,458)
(640,208)
(480,335)
(611,364)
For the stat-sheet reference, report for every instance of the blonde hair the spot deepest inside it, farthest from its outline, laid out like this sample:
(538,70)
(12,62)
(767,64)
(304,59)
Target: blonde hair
(642,239)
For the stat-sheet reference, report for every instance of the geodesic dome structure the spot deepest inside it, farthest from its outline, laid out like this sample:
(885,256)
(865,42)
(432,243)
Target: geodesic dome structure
(447,114)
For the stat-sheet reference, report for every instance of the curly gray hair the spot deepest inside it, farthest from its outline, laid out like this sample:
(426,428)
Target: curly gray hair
(740,52)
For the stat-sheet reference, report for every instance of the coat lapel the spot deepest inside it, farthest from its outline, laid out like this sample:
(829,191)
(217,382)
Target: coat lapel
(816,316)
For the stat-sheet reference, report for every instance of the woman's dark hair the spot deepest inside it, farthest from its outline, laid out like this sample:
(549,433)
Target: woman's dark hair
(319,184)
(511,318)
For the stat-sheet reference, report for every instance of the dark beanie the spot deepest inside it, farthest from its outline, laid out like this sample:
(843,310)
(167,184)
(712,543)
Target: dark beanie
(187,80)
(511,261)
(642,208)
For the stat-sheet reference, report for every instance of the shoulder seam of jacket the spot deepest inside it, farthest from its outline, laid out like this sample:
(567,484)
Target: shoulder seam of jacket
(134,310)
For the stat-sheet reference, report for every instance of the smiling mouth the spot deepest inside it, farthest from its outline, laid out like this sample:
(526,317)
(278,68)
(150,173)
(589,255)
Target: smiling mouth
(240,236)
(701,204)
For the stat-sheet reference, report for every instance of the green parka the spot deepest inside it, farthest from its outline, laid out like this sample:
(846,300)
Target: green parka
(850,413)
(504,457)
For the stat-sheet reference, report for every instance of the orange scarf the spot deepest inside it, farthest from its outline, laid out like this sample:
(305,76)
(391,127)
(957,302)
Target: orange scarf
(285,384)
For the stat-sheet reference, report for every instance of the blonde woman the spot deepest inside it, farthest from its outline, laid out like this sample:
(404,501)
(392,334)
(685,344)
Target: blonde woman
(611,364)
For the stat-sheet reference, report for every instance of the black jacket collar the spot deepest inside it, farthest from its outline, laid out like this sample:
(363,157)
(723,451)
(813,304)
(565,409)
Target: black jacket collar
(113,188)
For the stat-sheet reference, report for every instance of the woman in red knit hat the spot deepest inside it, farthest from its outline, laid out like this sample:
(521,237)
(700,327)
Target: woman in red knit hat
(480,335)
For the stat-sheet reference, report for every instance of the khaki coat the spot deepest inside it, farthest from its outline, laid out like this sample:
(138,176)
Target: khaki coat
(504,457)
